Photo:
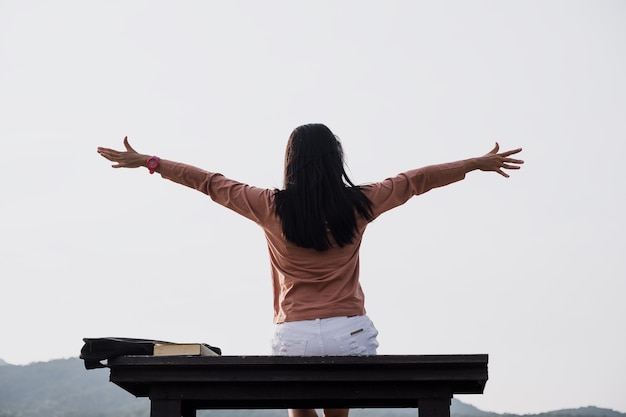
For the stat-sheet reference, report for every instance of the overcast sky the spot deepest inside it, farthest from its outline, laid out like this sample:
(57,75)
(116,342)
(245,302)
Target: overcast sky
(530,269)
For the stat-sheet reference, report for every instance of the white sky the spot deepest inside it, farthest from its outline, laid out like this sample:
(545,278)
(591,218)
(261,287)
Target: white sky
(529,270)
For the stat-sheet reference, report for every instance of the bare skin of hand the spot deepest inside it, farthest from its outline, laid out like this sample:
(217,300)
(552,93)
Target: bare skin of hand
(124,159)
(494,161)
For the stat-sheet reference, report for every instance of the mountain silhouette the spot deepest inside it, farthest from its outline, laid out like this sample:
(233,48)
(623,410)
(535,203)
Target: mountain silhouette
(64,388)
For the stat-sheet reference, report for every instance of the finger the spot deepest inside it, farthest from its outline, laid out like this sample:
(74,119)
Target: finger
(511,152)
(495,148)
(110,154)
(127,145)
(504,174)
(510,166)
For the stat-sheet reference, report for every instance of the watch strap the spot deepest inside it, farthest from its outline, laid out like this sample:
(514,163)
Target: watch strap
(153,164)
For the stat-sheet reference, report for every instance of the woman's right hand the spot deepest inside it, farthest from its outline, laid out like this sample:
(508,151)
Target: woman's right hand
(124,159)
(494,161)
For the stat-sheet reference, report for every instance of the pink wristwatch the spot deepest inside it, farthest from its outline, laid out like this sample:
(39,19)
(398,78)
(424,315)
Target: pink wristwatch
(153,163)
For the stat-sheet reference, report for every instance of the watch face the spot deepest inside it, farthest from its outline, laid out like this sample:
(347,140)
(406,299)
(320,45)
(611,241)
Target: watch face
(152,163)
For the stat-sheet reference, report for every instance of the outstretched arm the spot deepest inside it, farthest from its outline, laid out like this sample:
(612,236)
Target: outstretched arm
(494,161)
(124,159)
(250,202)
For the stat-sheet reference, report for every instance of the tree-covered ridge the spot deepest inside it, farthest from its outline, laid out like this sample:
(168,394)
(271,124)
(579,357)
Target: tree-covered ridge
(64,388)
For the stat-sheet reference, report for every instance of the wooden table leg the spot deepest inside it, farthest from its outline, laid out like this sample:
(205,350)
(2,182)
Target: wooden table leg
(434,407)
(188,411)
(165,408)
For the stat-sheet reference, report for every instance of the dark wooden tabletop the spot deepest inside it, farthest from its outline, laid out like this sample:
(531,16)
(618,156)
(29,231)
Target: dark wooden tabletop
(206,382)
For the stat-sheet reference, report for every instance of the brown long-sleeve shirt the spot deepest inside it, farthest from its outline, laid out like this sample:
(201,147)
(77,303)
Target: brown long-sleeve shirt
(310,284)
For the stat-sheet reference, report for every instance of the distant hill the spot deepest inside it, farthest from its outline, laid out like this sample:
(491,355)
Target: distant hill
(578,412)
(64,388)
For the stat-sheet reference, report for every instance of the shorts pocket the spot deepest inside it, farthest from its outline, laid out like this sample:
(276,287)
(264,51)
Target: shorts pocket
(288,347)
(358,342)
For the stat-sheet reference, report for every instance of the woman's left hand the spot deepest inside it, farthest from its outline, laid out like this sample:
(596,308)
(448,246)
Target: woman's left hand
(124,159)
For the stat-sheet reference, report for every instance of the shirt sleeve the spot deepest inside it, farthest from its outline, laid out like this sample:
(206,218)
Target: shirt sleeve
(395,191)
(251,202)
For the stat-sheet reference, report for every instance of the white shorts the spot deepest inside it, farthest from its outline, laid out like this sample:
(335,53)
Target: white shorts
(335,336)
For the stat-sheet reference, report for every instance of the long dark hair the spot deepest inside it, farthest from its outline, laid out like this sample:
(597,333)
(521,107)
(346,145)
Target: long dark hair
(318,195)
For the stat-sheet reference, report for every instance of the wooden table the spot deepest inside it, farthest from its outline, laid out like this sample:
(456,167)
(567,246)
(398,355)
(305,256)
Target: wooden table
(180,385)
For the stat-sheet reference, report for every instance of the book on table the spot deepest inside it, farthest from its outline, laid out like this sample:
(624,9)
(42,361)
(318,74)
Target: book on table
(183,349)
